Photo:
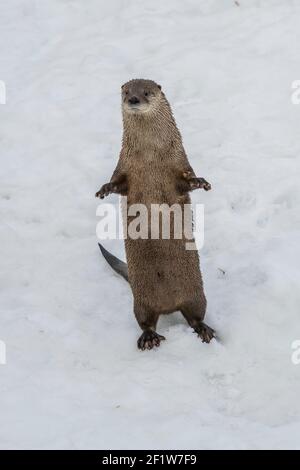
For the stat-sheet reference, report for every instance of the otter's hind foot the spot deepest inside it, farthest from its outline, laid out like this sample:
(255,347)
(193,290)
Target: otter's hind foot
(205,332)
(149,339)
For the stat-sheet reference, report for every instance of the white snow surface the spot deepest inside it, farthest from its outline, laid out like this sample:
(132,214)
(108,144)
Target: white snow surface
(74,377)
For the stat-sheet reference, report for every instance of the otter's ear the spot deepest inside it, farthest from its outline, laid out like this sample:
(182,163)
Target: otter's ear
(159,86)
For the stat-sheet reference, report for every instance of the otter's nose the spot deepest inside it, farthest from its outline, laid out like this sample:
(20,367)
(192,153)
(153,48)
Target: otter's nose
(133,100)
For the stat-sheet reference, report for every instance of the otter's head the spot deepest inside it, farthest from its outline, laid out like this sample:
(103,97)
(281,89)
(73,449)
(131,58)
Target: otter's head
(140,96)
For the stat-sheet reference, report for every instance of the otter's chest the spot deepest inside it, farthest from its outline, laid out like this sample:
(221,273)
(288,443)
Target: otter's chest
(151,176)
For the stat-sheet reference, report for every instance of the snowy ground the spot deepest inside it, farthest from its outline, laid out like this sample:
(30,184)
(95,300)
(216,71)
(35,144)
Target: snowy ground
(74,377)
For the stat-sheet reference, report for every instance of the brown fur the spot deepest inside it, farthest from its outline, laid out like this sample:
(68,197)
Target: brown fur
(153,168)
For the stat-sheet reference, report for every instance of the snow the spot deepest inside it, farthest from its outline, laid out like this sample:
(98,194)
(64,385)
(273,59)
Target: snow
(74,377)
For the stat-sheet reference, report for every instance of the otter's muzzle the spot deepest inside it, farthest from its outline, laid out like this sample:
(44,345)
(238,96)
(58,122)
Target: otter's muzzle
(134,100)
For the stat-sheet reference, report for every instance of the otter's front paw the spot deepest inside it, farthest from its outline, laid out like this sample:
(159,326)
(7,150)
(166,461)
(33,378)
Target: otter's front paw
(196,183)
(104,191)
(201,183)
(149,339)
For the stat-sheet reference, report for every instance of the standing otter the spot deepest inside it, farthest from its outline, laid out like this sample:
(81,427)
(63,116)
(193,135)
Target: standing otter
(153,169)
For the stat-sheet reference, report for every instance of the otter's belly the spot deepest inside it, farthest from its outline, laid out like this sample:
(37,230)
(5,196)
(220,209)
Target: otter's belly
(162,273)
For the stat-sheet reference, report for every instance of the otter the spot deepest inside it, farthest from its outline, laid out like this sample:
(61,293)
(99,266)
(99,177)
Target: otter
(153,169)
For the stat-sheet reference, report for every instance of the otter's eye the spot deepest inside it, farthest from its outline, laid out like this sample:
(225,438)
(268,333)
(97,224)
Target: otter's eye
(146,93)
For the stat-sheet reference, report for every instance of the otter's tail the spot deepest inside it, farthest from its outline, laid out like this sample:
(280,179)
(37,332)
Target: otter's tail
(119,266)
